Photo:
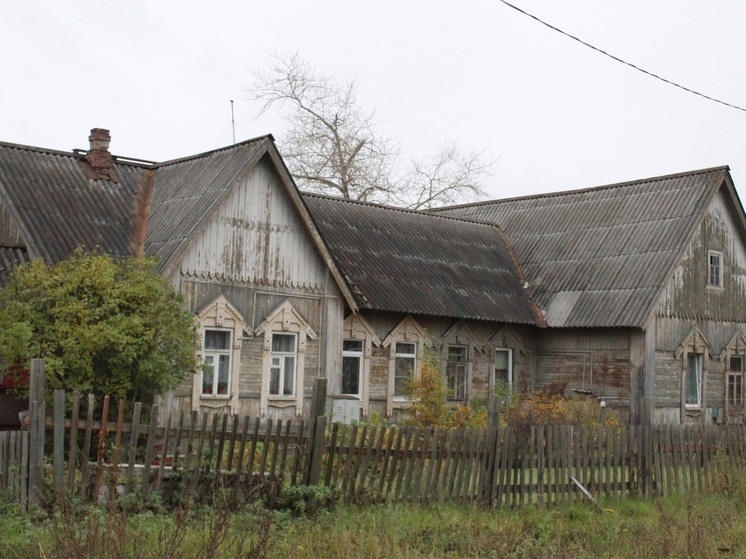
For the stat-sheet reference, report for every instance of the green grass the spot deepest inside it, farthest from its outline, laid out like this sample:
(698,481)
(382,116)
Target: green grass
(700,525)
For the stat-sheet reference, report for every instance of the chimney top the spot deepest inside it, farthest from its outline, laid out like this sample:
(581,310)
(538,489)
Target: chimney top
(98,155)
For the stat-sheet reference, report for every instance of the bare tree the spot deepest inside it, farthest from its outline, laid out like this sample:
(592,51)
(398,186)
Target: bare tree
(333,144)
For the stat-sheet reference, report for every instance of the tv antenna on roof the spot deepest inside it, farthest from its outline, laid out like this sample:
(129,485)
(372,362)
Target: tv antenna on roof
(233,123)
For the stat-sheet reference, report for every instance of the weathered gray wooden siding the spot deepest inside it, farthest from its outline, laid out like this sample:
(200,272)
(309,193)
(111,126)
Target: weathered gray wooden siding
(584,360)
(686,295)
(257,237)
(687,303)
(257,253)
(481,356)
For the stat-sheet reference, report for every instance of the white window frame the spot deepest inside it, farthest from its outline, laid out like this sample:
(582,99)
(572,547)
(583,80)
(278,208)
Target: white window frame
(493,379)
(407,331)
(401,356)
(715,271)
(700,358)
(357,328)
(219,314)
(734,385)
(281,357)
(463,365)
(353,354)
(284,319)
(215,355)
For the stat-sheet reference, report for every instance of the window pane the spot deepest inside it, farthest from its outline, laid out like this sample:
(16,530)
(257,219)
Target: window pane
(207,375)
(352,345)
(456,354)
(736,363)
(403,370)
(283,343)
(289,378)
(351,375)
(693,379)
(224,367)
(403,348)
(274,380)
(217,339)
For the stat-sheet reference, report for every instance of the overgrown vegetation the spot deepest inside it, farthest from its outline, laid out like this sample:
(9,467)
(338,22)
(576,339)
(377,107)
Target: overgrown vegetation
(707,524)
(103,325)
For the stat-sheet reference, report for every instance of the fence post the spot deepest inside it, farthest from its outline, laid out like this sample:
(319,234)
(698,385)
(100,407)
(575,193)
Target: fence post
(316,449)
(490,436)
(58,444)
(36,432)
(646,446)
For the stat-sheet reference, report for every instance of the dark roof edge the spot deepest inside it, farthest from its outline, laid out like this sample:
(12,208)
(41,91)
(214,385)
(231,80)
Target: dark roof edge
(428,213)
(212,151)
(80,154)
(583,190)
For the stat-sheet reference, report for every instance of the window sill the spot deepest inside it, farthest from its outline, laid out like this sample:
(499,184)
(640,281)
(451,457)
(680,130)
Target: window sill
(215,396)
(715,287)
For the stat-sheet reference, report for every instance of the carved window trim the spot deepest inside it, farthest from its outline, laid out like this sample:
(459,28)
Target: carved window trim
(355,327)
(285,318)
(219,314)
(407,331)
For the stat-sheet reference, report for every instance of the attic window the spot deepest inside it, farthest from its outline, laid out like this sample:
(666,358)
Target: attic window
(715,269)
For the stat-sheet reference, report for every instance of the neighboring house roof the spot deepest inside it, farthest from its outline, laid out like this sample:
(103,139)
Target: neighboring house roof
(601,256)
(414,262)
(47,197)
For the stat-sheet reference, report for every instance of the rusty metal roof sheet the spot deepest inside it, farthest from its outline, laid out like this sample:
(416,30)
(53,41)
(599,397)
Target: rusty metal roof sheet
(600,256)
(420,263)
(58,208)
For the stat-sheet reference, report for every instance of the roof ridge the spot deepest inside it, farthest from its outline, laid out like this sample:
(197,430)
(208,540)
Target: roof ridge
(212,151)
(77,153)
(584,190)
(428,213)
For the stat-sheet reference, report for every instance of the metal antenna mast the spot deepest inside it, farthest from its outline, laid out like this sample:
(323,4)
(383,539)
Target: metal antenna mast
(233,123)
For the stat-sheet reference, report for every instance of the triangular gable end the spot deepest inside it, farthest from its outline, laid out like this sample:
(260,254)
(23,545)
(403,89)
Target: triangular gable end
(285,312)
(461,334)
(220,309)
(354,323)
(695,340)
(505,335)
(411,329)
(737,344)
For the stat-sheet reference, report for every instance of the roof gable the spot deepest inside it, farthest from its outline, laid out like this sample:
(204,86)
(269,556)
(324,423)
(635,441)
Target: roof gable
(602,256)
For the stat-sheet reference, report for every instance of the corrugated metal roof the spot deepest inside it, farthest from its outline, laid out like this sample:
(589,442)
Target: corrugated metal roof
(600,256)
(59,209)
(406,261)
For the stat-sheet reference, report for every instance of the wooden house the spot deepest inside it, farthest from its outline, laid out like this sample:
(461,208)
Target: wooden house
(631,293)
(643,288)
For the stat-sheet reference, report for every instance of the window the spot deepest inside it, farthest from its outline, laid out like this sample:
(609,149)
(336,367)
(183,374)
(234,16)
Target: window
(503,380)
(715,269)
(216,353)
(352,366)
(405,364)
(282,369)
(693,382)
(734,388)
(456,372)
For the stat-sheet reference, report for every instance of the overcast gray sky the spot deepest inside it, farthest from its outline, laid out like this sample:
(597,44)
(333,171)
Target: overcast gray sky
(160,75)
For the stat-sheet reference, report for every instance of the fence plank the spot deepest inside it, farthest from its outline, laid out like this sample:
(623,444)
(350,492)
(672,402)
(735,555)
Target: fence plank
(149,451)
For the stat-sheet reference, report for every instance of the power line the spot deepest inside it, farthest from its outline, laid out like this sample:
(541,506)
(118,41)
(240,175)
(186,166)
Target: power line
(651,74)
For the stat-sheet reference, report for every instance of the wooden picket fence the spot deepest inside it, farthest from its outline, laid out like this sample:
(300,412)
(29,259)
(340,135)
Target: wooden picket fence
(100,459)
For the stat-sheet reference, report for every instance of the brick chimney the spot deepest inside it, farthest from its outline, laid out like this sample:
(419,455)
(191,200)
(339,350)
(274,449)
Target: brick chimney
(98,155)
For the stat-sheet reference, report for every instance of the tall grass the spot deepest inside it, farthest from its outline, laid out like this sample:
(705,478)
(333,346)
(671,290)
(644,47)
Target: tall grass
(706,524)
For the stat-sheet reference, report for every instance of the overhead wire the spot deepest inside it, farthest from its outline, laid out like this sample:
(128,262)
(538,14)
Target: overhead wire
(616,58)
